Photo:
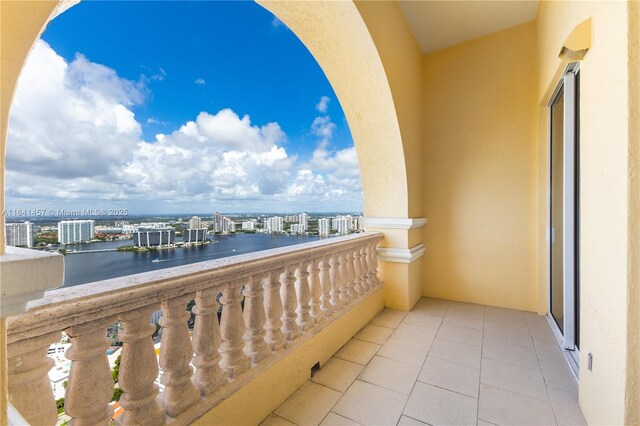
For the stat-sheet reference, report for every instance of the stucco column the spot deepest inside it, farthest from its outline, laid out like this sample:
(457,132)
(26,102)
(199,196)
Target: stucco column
(25,275)
(400,259)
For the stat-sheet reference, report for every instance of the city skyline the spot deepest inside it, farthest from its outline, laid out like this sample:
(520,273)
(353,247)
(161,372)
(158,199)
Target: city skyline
(173,122)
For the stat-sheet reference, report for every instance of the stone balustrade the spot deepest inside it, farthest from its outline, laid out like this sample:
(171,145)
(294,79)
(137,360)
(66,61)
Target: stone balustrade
(271,302)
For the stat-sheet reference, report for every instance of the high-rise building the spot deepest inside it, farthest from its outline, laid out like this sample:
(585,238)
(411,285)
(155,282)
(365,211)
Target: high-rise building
(358,223)
(249,225)
(342,224)
(19,234)
(217,222)
(195,223)
(76,231)
(226,225)
(303,220)
(324,226)
(291,218)
(191,236)
(274,224)
(148,237)
(297,229)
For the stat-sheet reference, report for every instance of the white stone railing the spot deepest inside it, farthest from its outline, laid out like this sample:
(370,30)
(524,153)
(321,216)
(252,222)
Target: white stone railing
(289,293)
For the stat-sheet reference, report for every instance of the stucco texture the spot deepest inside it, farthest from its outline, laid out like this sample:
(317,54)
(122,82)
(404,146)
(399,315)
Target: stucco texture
(480,170)
(608,318)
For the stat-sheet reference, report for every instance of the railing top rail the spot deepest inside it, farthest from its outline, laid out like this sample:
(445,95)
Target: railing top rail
(65,307)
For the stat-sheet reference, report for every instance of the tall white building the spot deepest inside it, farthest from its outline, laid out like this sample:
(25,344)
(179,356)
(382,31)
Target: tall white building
(297,229)
(342,224)
(195,223)
(217,222)
(228,225)
(274,224)
(19,234)
(324,226)
(249,225)
(75,231)
(303,220)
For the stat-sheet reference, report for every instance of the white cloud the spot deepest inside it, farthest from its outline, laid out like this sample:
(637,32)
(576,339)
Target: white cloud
(71,119)
(152,120)
(323,105)
(74,140)
(200,81)
(323,127)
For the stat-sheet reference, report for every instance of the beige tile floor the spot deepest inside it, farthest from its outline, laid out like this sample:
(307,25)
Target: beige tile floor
(443,363)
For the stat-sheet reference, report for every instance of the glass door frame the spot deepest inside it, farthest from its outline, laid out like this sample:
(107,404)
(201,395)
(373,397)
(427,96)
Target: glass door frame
(570,175)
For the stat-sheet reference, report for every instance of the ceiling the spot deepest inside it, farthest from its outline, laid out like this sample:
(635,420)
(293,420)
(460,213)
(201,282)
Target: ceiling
(437,24)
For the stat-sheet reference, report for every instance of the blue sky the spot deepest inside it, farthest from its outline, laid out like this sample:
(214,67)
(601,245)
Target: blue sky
(259,105)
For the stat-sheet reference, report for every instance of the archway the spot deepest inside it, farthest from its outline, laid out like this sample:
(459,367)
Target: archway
(336,35)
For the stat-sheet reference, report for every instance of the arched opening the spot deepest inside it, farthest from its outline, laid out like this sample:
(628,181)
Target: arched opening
(366,99)
(159,170)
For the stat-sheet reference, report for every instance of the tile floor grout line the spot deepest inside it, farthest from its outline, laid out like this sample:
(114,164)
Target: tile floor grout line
(280,417)
(457,341)
(449,390)
(397,360)
(484,318)
(413,418)
(512,364)
(423,363)
(356,379)
(544,379)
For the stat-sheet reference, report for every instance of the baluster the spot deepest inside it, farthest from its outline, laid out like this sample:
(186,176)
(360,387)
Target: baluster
(273,310)
(288,293)
(254,321)
(29,386)
(176,353)
(90,386)
(357,275)
(233,361)
(139,369)
(336,282)
(364,270)
(303,294)
(371,279)
(206,343)
(374,264)
(345,296)
(316,291)
(351,285)
(325,285)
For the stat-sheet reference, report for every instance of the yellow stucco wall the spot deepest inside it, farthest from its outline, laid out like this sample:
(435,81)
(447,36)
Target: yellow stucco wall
(632,399)
(269,390)
(480,170)
(402,61)
(607,199)
(20,24)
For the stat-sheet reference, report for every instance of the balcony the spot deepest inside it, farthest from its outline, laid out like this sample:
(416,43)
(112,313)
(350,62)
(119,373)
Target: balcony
(444,362)
(273,304)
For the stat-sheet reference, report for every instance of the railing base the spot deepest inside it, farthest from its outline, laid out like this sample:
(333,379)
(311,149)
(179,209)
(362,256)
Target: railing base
(273,386)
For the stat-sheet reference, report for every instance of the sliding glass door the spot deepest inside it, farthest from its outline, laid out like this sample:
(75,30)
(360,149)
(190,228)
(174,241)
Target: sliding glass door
(564,287)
